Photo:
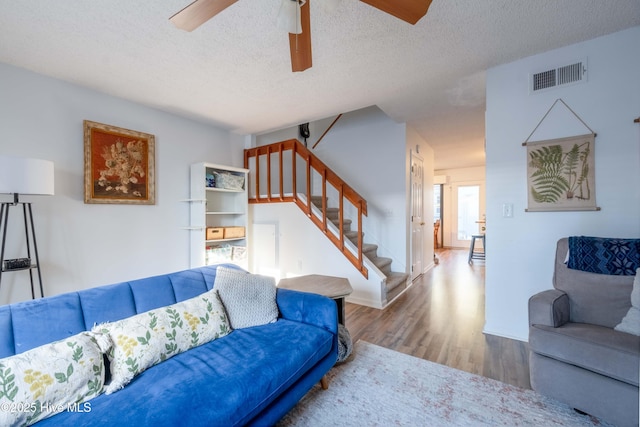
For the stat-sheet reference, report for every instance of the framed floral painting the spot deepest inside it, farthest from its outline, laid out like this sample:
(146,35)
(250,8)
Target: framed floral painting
(119,165)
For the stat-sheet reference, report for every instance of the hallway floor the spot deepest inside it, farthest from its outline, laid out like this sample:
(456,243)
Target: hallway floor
(440,318)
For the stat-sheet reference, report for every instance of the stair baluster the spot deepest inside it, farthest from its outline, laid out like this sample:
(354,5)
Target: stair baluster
(312,163)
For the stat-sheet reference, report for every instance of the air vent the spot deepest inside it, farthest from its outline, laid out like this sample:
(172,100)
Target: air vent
(560,76)
(544,80)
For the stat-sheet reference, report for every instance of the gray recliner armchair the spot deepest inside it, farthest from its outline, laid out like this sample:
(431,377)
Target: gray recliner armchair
(576,356)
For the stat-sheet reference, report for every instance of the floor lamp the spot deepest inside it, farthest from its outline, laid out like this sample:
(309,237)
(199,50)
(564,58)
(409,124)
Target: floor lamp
(23,176)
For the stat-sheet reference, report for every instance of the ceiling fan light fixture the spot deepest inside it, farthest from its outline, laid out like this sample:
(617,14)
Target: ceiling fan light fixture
(289,16)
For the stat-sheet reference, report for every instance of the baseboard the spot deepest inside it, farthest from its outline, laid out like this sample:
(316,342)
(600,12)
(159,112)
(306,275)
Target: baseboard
(409,284)
(365,302)
(428,267)
(502,335)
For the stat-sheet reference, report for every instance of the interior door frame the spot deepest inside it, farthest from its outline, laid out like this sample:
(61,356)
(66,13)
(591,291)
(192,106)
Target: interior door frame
(416,222)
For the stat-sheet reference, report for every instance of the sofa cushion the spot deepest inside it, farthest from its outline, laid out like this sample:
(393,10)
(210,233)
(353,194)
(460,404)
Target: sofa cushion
(42,321)
(631,322)
(250,299)
(141,341)
(6,343)
(595,348)
(226,382)
(188,284)
(48,379)
(152,292)
(96,311)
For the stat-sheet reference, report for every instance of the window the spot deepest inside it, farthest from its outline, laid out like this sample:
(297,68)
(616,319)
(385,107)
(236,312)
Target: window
(468,211)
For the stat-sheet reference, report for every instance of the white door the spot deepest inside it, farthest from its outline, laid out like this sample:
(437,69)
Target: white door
(467,213)
(417,215)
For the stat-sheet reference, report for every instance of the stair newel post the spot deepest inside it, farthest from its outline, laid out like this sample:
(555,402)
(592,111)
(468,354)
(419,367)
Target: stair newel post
(246,159)
(341,214)
(280,170)
(258,175)
(308,207)
(294,173)
(269,173)
(324,200)
(360,242)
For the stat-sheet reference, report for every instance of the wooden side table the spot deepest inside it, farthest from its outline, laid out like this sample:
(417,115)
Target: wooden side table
(336,288)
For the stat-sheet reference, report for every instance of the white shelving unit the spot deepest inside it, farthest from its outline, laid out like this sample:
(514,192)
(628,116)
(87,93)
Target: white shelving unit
(218,207)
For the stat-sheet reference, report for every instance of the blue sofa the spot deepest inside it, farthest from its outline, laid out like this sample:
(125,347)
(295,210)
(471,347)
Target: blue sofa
(252,376)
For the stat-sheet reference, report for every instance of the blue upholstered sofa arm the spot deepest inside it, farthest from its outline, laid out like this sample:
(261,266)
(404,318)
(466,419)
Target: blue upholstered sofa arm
(549,308)
(308,308)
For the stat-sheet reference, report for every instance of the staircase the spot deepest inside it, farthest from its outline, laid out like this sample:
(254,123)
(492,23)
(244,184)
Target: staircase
(289,172)
(395,282)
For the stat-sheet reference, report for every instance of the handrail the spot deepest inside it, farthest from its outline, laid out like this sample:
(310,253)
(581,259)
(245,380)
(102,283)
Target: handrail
(311,162)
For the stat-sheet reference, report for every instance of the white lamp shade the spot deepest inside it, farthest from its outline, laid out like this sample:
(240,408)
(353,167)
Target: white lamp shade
(26,176)
(289,16)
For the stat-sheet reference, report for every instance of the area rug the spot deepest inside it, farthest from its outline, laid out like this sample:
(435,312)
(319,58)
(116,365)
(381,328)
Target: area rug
(381,387)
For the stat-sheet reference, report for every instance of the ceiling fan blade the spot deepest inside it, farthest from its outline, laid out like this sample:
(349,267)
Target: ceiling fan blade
(199,12)
(408,10)
(300,44)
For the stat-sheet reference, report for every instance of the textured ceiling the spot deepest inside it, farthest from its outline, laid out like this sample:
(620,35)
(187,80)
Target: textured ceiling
(234,71)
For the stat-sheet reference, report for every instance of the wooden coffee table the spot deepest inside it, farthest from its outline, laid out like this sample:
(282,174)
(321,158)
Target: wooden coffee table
(336,288)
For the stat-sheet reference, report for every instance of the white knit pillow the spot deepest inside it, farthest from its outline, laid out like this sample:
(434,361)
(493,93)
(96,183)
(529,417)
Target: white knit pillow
(250,299)
(631,322)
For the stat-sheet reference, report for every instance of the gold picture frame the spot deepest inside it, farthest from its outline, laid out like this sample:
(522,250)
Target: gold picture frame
(119,165)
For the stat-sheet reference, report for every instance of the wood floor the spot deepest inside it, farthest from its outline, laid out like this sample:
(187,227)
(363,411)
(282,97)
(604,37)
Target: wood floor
(440,318)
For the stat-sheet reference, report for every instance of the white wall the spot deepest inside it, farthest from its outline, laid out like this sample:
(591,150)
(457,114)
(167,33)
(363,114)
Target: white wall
(522,248)
(302,249)
(84,245)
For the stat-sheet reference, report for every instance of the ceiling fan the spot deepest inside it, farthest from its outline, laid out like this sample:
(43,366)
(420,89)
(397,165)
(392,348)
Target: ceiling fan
(200,11)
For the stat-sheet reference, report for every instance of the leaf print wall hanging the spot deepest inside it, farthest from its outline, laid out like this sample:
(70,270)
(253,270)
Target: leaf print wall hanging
(561,172)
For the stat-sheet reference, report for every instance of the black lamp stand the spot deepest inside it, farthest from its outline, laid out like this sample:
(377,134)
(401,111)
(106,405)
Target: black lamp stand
(17,265)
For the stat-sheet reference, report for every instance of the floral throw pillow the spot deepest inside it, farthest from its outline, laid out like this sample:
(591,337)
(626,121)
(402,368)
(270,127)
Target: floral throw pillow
(136,343)
(49,379)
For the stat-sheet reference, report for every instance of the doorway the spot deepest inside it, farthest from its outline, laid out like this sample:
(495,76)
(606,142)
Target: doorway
(467,212)
(417,216)
(438,225)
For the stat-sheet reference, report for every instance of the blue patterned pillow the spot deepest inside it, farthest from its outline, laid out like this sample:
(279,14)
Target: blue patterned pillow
(619,257)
